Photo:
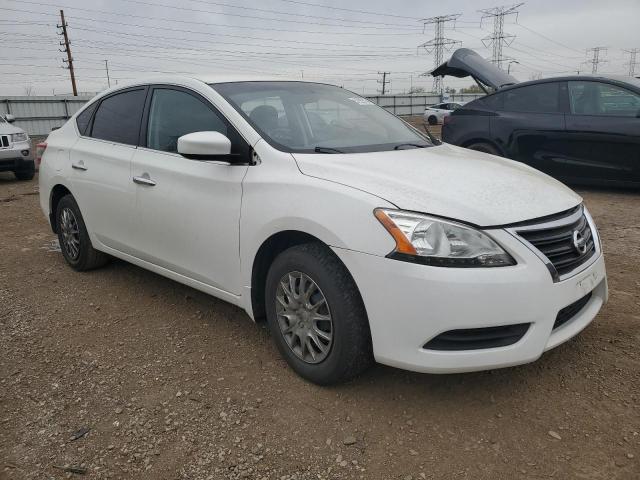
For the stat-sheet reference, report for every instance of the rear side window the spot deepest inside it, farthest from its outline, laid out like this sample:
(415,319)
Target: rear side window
(82,120)
(540,98)
(118,117)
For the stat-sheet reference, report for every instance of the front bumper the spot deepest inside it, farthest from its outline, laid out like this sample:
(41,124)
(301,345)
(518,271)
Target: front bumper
(409,304)
(14,158)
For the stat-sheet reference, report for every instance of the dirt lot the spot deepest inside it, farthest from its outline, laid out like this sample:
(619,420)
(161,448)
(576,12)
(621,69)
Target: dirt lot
(174,384)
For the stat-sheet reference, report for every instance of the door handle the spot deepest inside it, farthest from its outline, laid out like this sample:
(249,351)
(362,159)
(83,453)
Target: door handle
(79,166)
(144,180)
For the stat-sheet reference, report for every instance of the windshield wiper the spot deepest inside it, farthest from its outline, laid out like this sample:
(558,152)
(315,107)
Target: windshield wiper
(327,150)
(402,145)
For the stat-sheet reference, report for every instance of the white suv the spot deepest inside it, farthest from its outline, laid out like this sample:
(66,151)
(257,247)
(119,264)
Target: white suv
(356,236)
(15,150)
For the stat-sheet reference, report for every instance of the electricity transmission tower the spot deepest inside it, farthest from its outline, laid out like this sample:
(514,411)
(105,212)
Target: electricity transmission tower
(633,52)
(595,58)
(385,80)
(438,44)
(498,38)
(67,49)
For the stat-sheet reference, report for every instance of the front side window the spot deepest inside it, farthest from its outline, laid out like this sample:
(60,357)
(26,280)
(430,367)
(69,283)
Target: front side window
(540,98)
(118,117)
(174,113)
(596,98)
(312,117)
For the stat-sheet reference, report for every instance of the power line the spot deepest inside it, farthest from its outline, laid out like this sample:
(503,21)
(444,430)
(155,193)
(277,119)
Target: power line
(595,58)
(498,38)
(633,52)
(439,43)
(67,49)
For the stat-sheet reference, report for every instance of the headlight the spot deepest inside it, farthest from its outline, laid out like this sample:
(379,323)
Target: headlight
(432,241)
(19,137)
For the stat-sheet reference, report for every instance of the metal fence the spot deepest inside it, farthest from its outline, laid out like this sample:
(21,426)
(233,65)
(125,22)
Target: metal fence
(38,115)
(415,104)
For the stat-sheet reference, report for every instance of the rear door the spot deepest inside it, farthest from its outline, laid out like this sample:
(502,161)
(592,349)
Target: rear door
(529,123)
(101,167)
(603,133)
(187,211)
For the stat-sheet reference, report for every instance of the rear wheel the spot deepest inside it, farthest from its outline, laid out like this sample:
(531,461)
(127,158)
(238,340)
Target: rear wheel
(484,147)
(316,315)
(74,239)
(433,120)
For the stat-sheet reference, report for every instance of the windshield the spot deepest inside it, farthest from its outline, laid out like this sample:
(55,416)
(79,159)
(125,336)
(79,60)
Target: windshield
(313,117)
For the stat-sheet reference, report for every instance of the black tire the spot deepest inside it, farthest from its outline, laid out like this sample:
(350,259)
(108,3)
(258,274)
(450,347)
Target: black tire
(87,257)
(433,120)
(485,147)
(26,174)
(350,352)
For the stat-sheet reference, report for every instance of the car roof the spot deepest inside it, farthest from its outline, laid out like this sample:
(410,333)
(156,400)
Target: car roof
(617,79)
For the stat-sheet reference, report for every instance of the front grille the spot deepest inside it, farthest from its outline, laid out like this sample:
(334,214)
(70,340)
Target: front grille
(478,338)
(570,311)
(556,241)
(4,141)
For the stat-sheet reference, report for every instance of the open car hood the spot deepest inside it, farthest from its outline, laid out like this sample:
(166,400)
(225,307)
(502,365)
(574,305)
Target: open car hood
(467,63)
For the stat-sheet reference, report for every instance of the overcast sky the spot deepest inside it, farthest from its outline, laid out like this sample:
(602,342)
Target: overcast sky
(339,42)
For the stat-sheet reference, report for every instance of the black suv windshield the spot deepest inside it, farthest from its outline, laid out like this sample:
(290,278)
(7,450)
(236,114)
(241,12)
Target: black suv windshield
(309,117)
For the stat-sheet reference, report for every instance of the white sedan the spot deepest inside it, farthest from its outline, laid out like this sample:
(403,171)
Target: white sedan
(350,232)
(435,114)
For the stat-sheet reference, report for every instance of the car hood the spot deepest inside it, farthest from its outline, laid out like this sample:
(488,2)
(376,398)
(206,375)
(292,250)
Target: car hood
(8,129)
(447,181)
(465,62)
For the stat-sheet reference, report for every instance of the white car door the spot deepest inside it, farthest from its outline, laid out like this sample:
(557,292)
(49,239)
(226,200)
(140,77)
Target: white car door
(101,167)
(187,211)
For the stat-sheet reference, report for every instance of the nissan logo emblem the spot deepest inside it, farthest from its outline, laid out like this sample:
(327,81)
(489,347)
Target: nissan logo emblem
(579,242)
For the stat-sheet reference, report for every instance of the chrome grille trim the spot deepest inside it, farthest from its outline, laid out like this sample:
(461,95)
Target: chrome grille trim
(573,217)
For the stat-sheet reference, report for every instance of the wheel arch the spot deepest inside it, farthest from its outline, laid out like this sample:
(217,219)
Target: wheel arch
(57,192)
(473,140)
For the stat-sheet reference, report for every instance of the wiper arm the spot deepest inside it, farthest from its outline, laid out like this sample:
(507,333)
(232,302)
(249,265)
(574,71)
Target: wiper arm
(402,145)
(327,150)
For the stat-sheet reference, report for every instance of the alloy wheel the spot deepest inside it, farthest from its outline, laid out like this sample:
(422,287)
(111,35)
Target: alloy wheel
(304,317)
(70,233)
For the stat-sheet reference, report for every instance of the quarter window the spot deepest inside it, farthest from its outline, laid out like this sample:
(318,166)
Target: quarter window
(174,113)
(596,98)
(82,120)
(540,98)
(118,117)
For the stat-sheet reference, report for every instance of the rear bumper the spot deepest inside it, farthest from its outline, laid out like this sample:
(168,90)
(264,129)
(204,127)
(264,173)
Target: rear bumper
(408,305)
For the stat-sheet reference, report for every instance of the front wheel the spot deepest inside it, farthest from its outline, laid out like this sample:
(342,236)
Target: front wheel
(433,120)
(316,315)
(484,147)
(26,173)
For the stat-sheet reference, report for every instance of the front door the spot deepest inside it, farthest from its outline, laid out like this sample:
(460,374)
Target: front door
(187,211)
(603,133)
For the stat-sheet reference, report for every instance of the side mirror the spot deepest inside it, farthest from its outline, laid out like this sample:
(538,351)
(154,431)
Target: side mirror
(205,146)
(9,118)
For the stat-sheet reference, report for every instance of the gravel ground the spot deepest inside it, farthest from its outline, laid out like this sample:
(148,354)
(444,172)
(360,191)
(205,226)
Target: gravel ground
(121,373)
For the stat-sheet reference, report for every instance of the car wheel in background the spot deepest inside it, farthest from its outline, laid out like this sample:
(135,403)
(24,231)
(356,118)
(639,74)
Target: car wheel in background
(316,315)
(74,239)
(433,120)
(484,147)
(27,173)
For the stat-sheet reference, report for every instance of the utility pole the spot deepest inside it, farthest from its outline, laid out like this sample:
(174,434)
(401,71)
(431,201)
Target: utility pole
(106,66)
(595,58)
(384,81)
(67,50)
(633,52)
(498,38)
(438,44)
